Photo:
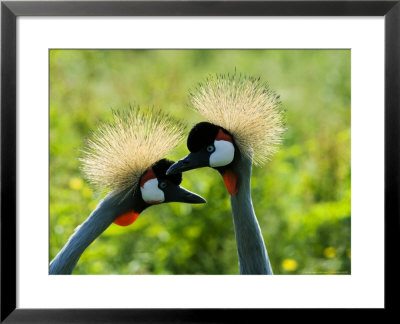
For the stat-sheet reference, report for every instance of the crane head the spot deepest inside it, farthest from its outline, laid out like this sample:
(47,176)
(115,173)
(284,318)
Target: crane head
(125,156)
(244,117)
(213,146)
(246,108)
(157,187)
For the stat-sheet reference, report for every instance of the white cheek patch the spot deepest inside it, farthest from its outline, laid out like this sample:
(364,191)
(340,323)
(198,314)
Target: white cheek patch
(151,193)
(223,154)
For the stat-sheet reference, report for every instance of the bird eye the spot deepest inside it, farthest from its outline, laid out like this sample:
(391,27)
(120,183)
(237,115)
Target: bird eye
(210,148)
(163,185)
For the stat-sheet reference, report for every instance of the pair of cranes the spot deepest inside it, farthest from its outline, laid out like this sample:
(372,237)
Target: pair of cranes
(244,125)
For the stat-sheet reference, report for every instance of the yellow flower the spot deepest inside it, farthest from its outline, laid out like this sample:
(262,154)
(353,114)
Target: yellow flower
(76,183)
(330,252)
(290,264)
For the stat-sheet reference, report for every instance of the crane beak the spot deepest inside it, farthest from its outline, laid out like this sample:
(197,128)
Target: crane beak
(193,160)
(179,194)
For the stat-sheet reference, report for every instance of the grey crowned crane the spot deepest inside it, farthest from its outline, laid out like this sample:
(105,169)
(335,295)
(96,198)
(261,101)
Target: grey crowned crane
(125,157)
(245,124)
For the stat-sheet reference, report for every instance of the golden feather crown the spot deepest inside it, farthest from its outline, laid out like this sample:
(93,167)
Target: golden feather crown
(120,151)
(247,108)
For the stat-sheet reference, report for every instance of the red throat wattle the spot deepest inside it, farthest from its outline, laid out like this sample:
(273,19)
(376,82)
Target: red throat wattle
(230,180)
(127,218)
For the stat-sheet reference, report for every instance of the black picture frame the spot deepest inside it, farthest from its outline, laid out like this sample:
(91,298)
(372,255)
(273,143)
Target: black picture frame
(10,10)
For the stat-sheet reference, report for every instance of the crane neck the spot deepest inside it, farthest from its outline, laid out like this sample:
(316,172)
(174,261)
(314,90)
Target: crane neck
(97,222)
(253,256)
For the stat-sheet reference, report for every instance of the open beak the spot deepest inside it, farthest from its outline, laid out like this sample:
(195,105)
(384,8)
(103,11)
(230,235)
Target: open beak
(179,194)
(193,160)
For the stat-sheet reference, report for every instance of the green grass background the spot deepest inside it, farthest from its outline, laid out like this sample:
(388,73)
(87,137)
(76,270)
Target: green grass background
(301,197)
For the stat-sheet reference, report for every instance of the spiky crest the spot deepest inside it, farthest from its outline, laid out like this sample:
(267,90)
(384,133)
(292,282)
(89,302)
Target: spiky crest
(119,152)
(247,108)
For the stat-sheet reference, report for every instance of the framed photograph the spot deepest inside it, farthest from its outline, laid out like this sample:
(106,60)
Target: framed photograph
(195,161)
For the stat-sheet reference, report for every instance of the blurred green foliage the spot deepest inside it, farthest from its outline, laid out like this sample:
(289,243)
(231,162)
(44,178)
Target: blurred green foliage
(301,197)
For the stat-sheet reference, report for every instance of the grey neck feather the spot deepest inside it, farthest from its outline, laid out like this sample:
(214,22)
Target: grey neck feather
(253,256)
(98,221)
